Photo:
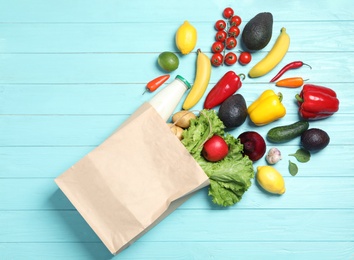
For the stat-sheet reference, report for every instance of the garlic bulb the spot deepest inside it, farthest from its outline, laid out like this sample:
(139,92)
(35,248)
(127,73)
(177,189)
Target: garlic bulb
(273,156)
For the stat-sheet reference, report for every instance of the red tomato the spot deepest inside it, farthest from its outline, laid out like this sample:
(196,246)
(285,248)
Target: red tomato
(216,59)
(220,25)
(230,58)
(217,47)
(234,31)
(235,20)
(245,58)
(228,12)
(230,43)
(220,36)
(215,149)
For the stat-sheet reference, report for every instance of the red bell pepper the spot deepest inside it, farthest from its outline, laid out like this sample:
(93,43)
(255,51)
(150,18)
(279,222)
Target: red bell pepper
(224,88)
(317,102)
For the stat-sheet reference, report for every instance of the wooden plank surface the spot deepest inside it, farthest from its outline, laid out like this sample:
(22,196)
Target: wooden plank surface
(72,71)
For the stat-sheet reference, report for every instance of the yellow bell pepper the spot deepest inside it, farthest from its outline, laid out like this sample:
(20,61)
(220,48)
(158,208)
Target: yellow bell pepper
(267,108)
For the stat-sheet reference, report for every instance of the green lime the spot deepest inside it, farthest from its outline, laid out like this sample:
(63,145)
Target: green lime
(168,61)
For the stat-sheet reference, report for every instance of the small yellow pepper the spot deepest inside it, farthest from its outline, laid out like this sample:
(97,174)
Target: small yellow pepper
(267,108)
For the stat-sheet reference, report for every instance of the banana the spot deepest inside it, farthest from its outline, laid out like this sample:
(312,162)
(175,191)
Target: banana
(274,56)
(201,81)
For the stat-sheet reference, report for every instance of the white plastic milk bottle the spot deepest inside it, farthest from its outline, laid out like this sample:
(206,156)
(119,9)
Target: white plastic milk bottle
(166,101)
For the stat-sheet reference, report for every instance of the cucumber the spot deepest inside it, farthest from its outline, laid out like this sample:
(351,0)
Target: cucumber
(286,133)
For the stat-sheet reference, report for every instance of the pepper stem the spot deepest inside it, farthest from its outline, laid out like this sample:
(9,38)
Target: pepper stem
(243,76)
(298,98)
(280,96)
(307,65)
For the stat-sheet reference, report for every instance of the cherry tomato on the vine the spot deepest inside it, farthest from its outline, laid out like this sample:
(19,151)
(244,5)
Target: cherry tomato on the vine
(234,31)
(220,25)
(245,58)
(230,58)
(220,36)
(235,20)
(228,12)
(217,47)
(230,42)
(217,59)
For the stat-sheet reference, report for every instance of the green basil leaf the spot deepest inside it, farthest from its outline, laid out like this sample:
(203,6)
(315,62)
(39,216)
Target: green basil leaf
(293,168)
(302,155)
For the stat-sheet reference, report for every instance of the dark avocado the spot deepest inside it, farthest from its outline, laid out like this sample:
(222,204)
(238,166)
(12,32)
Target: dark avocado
(233,111)
(314,139)
(258,31)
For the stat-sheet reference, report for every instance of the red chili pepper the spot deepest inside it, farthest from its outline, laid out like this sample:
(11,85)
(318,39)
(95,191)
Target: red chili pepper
(156,83)
(292,65)
(317,102)
(224,88)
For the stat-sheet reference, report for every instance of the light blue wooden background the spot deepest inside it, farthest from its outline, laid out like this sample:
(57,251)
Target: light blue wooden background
(73,71)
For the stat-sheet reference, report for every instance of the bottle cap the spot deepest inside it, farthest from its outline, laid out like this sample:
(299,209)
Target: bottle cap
(184,81)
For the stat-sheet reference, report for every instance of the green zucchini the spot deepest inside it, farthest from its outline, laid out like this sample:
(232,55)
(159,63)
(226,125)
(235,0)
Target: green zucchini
(286,133)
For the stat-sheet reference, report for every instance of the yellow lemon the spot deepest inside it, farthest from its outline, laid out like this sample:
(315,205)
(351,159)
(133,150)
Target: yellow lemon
(186,37)
(270,179)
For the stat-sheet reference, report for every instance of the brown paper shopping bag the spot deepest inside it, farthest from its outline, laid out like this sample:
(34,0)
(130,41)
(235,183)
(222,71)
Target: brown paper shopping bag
(132,180)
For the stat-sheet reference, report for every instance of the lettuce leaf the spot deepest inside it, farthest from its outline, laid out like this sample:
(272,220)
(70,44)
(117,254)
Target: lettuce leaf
(229,178)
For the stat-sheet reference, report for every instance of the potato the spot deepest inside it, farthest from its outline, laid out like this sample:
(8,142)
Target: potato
(182,118)
(176,130)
